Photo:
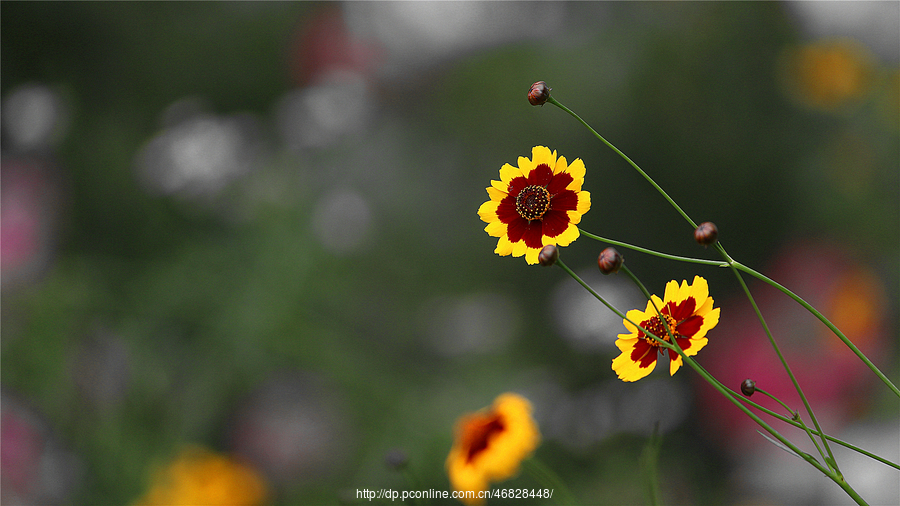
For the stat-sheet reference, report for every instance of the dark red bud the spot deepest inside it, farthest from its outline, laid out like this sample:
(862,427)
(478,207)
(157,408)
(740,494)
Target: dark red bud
(610,261)
(748,387)
(706,234)
(548,256)
(539,93)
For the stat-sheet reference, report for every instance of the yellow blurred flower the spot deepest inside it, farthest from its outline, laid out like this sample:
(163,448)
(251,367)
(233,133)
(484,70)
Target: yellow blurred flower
(828,74)
(201,477)
(536,204)
(689,314)
(490,445)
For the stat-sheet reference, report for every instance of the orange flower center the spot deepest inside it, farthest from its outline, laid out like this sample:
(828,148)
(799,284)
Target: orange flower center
(658,329)
(477,433)
(532,202)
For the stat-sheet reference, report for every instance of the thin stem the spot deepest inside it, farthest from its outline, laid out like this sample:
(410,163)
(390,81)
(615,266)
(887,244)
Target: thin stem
(553,101)
(610,306)
(650,465)
(591,290)
(796,416)
(817,314)
(833,472)
(834,475)
(715,263)
(797,424)
(781,358)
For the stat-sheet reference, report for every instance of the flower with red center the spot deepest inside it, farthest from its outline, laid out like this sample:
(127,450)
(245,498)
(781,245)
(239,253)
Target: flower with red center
(490,445)
(538,203)
(688,313)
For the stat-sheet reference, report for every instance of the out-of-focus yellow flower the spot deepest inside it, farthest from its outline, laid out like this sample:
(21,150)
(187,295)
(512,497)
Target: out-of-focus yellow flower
(828,74)
(689,315)
(490,445)
(201,477)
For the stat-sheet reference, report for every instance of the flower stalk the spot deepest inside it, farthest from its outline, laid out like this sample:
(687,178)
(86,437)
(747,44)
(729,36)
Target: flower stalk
(729,261)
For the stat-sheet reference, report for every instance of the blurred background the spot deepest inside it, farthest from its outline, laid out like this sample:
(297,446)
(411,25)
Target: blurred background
(252,228)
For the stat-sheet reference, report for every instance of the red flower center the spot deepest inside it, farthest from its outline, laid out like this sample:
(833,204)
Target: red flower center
(478,432)
(658,329)
(532,202)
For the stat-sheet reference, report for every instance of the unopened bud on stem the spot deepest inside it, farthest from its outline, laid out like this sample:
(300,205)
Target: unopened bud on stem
(539,93)
(610,261)
(748,387)
(706,233)
(548,256)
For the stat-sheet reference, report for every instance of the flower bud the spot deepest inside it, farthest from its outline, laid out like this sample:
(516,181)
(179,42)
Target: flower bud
(748,387)
(539,93)
(706,234)
(610,261)
(548,256)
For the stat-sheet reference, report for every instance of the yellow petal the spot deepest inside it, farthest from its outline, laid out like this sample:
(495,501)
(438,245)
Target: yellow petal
(504,246)
(508,173)
(696,346)
(637,316)
(584,202)
(543,155)
(498,188)
(673,292)
(577,170)
(560,166)
(519,249)
(710,320)
(699,290)
(531,255)
(626,342)
(488,211)
(496,229)
(525,165)
(674,364)
(629,370)
(569,234)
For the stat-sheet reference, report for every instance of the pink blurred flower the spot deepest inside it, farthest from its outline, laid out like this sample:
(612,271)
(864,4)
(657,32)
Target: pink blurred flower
(846,291)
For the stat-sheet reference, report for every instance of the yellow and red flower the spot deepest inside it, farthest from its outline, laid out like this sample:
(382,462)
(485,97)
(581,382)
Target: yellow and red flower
(688,312)
(490,445)
(540,202)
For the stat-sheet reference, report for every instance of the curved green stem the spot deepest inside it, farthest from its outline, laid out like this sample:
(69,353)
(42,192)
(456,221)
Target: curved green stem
(715,263)
(796,416)
(799,425)
(821,317)
(780,355)
(831,469)
(553,101)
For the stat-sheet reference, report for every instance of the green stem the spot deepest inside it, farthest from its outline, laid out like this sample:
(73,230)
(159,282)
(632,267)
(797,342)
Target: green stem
(796,416)
(650,465)
(591,290)
(737,399)
(720,248)
(780,355)
(797,424)
(832,470)
(832,474)
(625,157)
(733,263)
(737,265)
(715,263)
